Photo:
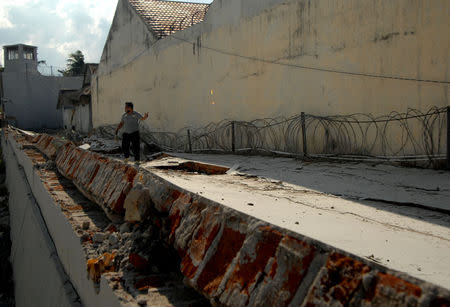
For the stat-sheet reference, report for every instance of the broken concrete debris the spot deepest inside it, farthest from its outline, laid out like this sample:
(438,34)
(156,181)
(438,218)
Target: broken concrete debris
(161,234)
(108,245)
(99,237)
(136,204)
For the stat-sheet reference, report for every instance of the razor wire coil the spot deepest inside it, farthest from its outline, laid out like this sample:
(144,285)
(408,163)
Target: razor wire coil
(413,134)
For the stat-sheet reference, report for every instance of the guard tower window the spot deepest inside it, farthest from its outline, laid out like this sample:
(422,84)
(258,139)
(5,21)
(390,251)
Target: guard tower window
(28,53)
(13,53)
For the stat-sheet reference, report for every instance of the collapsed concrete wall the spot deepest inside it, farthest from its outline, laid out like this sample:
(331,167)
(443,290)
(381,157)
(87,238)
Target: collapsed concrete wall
(86,243)
(231,258)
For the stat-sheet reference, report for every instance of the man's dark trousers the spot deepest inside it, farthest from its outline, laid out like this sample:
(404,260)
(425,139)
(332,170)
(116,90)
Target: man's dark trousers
(135,141)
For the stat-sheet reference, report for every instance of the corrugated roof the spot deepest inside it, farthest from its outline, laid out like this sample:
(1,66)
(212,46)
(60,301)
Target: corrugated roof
(167,17)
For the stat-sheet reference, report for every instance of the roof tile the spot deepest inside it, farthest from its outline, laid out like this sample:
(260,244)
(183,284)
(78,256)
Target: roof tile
(167,17)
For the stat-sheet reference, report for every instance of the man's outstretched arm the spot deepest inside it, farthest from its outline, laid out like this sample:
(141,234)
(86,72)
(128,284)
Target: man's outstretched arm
(119,126)
(144,117)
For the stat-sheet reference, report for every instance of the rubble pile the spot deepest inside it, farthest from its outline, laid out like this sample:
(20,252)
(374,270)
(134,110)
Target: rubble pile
(102,145)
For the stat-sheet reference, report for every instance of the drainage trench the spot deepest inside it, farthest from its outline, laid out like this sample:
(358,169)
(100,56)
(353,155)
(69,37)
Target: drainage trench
(133,258)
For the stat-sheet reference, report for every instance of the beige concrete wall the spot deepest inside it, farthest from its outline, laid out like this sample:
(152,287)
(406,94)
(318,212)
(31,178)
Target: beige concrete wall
(188,84)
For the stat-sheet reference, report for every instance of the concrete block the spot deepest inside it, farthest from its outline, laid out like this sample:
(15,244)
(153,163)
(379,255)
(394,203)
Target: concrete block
(99,237)
(137,204)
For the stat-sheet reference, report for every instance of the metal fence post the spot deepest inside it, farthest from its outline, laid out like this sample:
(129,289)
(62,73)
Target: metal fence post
(233,144)
(189,140)
(303,119)
(448,137)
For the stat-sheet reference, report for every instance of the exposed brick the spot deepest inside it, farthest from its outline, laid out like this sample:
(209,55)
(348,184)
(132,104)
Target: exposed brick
(392,290)
(162,195)
(337,281)
(166,203)
(258,248)
(201,242)
(176,213)
(46,146)
(283,277)
(230,243)
(190,218)
(107,182)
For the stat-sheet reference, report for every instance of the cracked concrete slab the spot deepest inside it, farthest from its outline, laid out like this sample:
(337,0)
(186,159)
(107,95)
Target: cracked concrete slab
(304,198)
(399,185)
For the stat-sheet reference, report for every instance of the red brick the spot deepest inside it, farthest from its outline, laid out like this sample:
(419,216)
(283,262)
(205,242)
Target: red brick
(201,242)
(253,258)
(392,290)
(292,260)
(176,211)
(228,247)
(337,282)
(190,217)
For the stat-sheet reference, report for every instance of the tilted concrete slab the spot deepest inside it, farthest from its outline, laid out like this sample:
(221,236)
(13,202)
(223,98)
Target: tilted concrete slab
(408,239)
(358,181)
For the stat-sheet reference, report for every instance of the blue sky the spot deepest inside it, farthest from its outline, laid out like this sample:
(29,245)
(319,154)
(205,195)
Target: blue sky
(58,27)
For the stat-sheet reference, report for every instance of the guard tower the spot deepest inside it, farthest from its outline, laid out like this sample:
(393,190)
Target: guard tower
(20,58)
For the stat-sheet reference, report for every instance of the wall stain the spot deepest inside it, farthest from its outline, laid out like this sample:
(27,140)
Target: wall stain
(385,37)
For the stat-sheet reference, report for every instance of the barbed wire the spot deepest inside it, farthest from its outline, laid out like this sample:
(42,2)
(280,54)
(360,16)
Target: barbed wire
(400,136)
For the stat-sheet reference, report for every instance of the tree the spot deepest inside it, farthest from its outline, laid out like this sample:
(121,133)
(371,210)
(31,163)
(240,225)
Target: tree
(75,64)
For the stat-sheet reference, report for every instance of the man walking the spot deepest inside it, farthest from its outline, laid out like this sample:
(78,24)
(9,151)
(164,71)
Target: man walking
(130,123)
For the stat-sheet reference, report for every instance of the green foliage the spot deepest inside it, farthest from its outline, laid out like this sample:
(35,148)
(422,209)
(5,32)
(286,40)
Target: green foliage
(75,64)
